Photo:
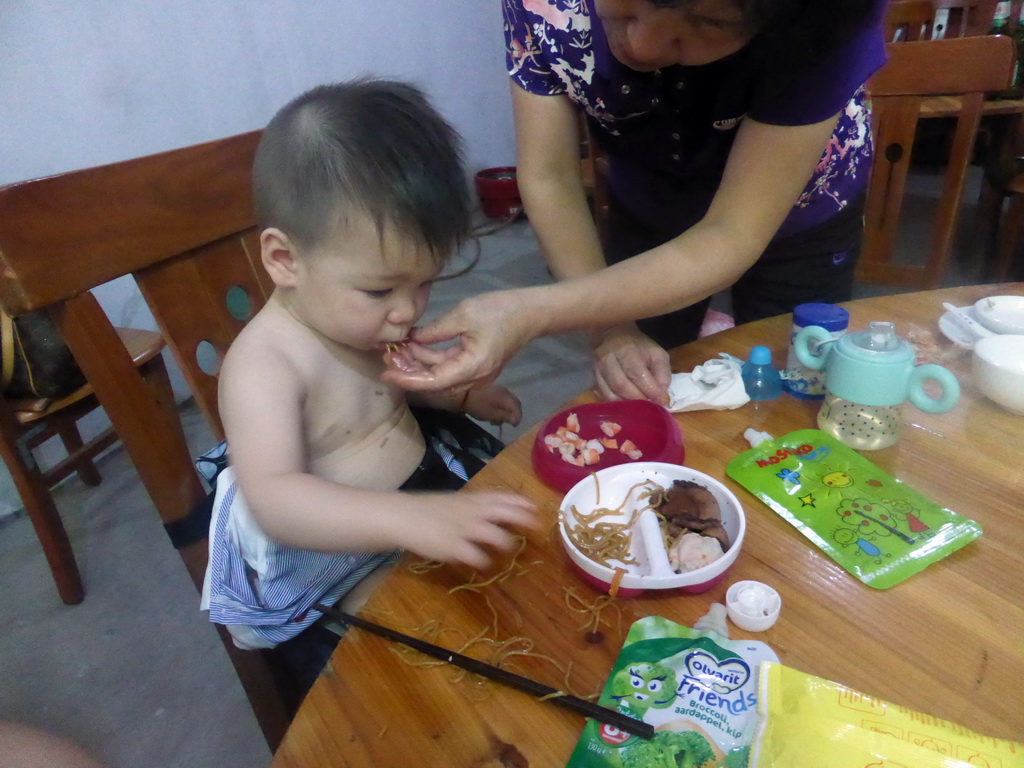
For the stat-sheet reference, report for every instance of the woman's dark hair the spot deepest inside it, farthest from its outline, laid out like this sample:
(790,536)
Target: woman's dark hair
(797,32)
(366,147)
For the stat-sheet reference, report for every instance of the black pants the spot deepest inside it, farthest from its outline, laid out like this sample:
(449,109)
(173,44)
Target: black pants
(815,265)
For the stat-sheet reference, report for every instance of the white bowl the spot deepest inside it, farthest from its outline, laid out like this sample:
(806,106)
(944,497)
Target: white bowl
(998,363)
(1001,314)
(650,573)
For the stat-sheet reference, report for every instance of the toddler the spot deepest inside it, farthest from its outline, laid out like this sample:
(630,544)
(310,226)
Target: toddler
(361,194)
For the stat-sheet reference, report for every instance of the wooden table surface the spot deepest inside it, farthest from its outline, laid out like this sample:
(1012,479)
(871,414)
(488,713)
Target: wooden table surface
(948,641)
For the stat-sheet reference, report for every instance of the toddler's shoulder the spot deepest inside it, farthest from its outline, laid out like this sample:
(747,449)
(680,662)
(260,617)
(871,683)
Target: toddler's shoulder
(265,356)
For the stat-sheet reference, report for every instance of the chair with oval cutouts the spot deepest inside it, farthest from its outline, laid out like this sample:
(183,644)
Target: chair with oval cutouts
(181,223)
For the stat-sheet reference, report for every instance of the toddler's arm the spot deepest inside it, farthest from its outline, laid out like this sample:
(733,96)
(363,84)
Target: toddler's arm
(261,400)
(492,403)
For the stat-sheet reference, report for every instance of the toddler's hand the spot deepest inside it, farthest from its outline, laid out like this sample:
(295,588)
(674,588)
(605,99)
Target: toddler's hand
(460,527)
(493,403)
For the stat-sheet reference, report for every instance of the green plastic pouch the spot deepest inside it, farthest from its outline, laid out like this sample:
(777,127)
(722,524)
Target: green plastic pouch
(696,687)
(876,527)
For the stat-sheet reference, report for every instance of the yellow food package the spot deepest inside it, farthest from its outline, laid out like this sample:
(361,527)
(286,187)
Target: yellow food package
(805,720)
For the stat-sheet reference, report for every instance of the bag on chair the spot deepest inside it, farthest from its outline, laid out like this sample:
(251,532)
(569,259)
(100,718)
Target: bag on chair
(36,361)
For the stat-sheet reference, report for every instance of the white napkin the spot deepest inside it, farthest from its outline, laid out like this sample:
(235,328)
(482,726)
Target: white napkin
(716,385)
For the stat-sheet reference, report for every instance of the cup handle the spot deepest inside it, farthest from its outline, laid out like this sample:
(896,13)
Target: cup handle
(802,346)
(946,380)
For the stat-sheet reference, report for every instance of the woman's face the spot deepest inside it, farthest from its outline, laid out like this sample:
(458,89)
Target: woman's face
(646,37)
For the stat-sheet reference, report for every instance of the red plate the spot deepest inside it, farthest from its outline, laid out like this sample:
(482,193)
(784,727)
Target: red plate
(652,429)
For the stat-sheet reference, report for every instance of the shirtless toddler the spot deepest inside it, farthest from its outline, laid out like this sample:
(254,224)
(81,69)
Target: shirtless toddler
(362,198)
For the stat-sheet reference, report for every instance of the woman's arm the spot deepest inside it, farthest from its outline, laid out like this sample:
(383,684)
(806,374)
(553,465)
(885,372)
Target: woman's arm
(548,157)
(767,169)
(548,171)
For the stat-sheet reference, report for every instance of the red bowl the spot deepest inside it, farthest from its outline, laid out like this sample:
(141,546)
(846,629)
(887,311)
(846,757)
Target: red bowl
(652,429)
(623,592)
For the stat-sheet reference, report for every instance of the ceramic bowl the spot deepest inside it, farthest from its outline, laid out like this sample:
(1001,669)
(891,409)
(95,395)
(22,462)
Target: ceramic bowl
(998,364)
(651,571)
(1001,314)
(652,429)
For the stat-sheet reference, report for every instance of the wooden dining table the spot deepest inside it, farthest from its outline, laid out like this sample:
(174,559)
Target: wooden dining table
(948,641)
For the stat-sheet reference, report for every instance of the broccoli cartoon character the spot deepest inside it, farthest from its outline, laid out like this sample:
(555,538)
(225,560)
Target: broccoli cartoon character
(669,749)
(639,687)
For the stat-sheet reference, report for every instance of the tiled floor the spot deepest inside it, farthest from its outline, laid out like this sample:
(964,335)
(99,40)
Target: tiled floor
(135,674)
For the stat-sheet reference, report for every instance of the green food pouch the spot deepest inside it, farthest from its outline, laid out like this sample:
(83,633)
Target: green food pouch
(876,527)
(695,686)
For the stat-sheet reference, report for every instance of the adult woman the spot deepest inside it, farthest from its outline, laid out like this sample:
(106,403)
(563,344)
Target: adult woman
(738,143)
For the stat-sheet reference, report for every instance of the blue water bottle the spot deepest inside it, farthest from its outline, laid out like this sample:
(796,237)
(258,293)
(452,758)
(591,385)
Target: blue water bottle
(760,378)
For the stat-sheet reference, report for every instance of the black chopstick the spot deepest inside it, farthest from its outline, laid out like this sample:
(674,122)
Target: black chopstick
(578,705)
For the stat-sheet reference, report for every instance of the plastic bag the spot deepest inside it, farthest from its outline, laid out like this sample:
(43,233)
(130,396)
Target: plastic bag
(696,687)
(805,720)
(876,527)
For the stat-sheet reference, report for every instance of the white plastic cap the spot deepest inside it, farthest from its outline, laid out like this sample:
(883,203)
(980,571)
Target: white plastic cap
(752,606)
(756,437)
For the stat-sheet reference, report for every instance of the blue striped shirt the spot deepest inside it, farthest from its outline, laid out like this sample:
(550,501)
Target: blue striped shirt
(264,591)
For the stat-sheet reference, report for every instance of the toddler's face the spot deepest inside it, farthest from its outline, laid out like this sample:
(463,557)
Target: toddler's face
(362,290)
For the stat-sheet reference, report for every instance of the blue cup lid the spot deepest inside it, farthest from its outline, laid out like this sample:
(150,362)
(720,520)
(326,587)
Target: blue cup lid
(760,355)
(829,316)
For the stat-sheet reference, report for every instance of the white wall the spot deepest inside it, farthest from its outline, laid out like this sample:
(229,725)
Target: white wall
(87,82)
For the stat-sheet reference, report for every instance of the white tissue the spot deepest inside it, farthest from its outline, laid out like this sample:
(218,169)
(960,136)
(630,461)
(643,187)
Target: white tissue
(717,385)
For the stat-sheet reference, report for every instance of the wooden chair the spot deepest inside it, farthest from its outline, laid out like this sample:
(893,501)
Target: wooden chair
(961,18)
(26,424)
(181,223)
(908,20)
(999,235)
(966,67)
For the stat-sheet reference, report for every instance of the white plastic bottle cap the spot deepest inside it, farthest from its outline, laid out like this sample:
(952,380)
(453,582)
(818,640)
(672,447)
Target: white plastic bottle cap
(752,606)
(755,437)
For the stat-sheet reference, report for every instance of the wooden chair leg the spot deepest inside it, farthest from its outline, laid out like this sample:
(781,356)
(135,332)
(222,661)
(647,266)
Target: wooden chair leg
(148,427)
(1009,238)
(155,374)
(72,439)
(262,687)
(986,226)
(35,495)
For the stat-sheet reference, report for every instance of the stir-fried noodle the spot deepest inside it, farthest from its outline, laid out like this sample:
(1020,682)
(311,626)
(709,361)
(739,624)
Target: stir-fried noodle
(604,541)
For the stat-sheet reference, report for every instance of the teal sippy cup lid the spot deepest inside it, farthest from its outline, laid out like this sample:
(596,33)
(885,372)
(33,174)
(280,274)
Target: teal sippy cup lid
(878,344)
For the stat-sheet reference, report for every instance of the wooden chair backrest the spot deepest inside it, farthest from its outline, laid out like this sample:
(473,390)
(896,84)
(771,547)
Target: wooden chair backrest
(962,18)
(908,20)
(180,222)
(963,67)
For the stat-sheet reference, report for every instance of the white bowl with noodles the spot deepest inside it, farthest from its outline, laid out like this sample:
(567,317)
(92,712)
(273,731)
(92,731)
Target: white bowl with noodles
(609,489)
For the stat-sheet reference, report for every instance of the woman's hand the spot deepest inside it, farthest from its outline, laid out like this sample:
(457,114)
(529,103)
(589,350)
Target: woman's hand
(629,365)
(490,328)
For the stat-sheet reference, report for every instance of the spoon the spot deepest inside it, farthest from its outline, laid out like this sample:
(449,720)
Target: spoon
(967,322)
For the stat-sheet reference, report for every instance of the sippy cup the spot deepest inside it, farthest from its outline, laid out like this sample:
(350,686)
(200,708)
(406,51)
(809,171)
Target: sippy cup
(868,375)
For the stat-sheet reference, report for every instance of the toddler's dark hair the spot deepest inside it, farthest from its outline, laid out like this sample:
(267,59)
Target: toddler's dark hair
(365,147)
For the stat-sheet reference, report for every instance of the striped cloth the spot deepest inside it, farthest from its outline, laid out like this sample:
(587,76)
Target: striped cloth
(262,591)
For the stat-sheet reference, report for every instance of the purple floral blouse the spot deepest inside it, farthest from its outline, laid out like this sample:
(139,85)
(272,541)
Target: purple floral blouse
(668,133)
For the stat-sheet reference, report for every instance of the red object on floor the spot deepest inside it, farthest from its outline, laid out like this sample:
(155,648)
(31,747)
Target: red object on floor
(498,190)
